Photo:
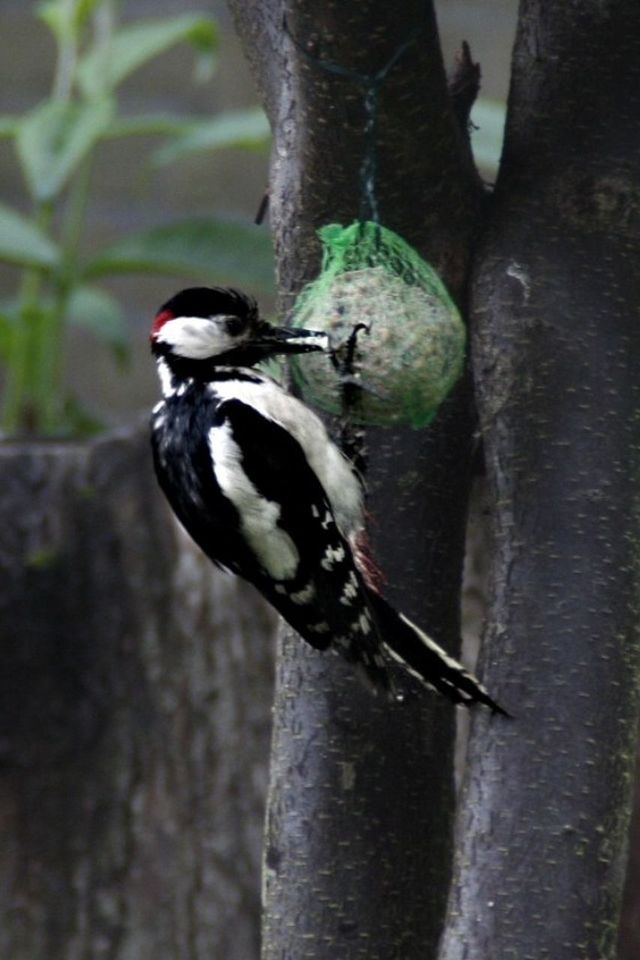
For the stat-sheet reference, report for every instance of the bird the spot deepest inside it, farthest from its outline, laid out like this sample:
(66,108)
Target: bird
(253,476)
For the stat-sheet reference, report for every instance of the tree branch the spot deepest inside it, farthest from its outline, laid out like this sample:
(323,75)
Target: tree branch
(464,86)
(543,828)
(359,823)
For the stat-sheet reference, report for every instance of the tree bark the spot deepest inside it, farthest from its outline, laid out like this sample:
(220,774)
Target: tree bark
(629,939)
(543,827)
(358,838)
(134,703)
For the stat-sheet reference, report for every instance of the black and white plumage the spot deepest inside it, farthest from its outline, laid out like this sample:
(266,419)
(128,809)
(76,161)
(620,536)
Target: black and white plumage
(253,476)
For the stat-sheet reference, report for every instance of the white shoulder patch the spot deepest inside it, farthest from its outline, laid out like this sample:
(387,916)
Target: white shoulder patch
(332,469)
(272,546)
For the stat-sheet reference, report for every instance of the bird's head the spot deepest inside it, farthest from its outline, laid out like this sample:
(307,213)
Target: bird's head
(215,326)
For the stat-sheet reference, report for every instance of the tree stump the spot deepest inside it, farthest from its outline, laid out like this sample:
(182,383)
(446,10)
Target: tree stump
(135,691)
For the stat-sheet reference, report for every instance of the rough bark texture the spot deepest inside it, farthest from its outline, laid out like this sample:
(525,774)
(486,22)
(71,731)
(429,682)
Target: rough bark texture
(543,827)
(629,940)
(359,820)
(134,697)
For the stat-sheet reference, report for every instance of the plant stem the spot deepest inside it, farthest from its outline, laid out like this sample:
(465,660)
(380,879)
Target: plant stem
(66,61)
(48,380)
(35,398)
(19,411)
(49,359)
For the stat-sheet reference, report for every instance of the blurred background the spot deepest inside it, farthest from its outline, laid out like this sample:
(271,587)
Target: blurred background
(130,192)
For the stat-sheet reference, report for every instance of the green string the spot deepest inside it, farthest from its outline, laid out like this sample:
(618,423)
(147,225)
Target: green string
(371,84)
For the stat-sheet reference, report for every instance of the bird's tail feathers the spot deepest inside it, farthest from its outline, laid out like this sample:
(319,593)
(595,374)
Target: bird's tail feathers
(422,657)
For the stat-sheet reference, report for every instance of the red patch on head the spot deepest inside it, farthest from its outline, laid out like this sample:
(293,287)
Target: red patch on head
(160,319)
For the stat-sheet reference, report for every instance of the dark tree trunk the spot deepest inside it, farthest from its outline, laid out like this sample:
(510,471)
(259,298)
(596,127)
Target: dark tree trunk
(360,809)
(629,942)
(134,697)
(543,827)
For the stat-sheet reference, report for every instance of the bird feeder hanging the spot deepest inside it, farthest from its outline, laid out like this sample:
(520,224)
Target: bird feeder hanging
(408,347)
(398,337)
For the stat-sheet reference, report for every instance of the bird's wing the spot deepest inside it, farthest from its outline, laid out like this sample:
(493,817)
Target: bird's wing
(303,564)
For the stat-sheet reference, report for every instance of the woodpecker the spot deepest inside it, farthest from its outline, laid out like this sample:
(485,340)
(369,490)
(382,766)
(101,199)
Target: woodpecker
(252,475)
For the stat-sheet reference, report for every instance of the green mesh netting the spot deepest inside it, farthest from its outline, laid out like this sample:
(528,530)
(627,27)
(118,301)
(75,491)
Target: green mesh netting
(412,350)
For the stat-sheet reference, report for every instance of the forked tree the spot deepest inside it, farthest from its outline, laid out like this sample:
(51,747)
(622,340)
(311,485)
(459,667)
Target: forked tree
(360,821)
(135,688)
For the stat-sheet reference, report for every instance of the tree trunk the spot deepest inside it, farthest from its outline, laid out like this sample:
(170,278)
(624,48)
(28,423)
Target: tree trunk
(629,940)
(543,827)
(360,809)
(134,699)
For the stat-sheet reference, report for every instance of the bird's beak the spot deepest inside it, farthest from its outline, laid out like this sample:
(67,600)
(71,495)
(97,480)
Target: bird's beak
(283,340)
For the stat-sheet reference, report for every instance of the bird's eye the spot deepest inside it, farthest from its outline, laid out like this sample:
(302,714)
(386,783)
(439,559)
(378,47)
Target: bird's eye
(235,325)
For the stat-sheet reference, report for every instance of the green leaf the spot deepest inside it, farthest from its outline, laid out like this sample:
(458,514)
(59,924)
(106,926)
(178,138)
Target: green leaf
(55,137)
(150,123)
(8,125)
(248,129)
(211,250)
(77,422)
(6,334)
(135,45)
(65,19)
(24,243)
(487,132)
(96,310)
